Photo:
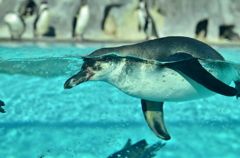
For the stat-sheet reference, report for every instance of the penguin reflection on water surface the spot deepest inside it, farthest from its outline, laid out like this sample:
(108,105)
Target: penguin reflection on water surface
(80,20)
(170,69)
(41,24)
(15,24)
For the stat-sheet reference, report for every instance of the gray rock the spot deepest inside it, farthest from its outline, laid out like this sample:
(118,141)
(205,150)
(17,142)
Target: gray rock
(171,17)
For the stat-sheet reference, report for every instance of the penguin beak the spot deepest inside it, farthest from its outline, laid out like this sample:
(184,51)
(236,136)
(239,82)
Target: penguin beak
(80,77)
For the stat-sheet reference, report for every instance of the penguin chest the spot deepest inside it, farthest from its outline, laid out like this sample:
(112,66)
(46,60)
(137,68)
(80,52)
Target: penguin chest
(142,18)
(164,85)
(160,84)
(82,20)
(43,23)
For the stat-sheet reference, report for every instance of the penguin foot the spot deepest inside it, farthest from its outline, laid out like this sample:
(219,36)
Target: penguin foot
(79,38)
(153,113)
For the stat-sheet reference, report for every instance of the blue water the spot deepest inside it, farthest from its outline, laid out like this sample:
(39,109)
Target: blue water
(95,119)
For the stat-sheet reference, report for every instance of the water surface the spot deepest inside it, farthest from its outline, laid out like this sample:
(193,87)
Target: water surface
(95,119)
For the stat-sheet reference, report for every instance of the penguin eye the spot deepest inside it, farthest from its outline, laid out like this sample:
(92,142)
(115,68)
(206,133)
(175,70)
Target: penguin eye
(96,68)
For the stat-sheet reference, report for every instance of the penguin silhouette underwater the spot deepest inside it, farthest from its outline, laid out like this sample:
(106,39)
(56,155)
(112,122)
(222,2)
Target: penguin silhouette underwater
(170,69)
(1,109)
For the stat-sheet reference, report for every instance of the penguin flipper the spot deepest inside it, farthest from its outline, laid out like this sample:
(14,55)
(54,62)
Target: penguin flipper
(193,69)
(1,109)
(237,86)
(153,113)
(146,26)
(74,23)
(35,26)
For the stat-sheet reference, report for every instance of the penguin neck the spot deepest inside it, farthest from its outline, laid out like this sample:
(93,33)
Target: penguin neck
(116,72)
(43,7)
(141,5)
(124,72)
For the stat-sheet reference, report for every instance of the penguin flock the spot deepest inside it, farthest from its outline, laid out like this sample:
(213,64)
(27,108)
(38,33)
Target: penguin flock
(41,26)
(16,20)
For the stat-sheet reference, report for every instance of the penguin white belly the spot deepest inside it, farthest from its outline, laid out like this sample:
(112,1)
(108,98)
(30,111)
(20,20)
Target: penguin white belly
(142,19)
(43,23)
(163,84)
(82,20)
(149,29)
(15,23)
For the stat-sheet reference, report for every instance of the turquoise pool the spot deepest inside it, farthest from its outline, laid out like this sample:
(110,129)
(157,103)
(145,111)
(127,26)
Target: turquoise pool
(95,119)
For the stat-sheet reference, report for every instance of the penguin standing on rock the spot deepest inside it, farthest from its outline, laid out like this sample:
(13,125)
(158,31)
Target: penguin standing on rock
(15,24)
(146,22)
(41,24)
(80,20)
(27,8)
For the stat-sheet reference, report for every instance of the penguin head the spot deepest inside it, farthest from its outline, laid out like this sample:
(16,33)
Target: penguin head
(43,6)
(93,69)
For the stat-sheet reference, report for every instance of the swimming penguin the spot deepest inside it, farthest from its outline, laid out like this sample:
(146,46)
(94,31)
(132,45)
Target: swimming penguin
(15,24)
(170,69)
(80,20)
(146,22)
(1,109)
(41,23)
